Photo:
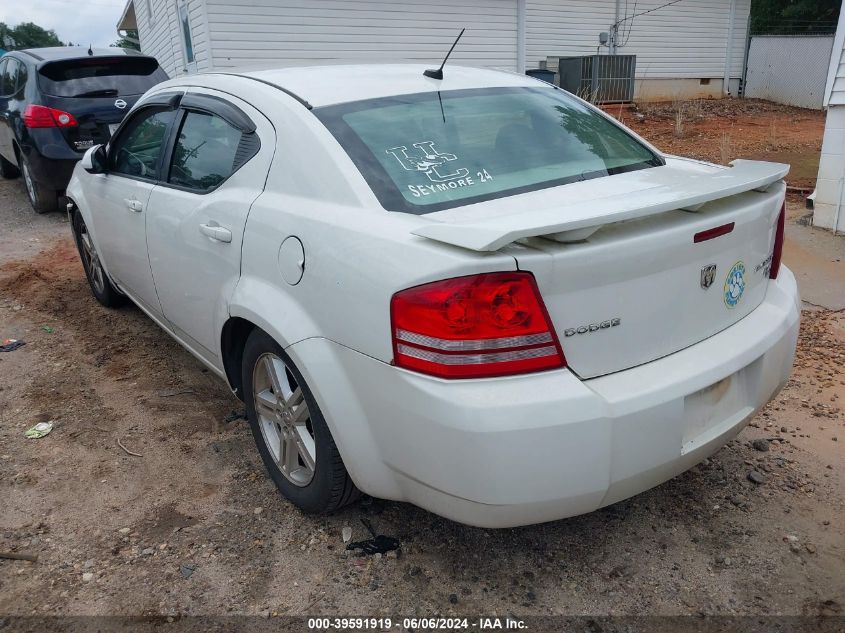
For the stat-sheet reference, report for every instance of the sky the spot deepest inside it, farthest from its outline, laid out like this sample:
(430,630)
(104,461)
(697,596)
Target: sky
(78,21)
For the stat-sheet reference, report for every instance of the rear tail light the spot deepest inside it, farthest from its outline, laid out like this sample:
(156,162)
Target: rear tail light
(41,116)
(493,324)
(777,252)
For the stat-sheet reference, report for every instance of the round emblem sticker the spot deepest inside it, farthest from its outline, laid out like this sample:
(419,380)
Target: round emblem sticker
(734,284)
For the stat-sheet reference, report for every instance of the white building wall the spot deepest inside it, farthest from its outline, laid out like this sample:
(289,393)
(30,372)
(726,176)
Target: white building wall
(830,184)
(160,35)
(689,39)
(255,33)
(837,91)
(829,205)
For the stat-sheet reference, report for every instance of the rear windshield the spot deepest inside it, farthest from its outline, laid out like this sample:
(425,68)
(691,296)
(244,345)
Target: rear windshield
(100,77)
(427,152)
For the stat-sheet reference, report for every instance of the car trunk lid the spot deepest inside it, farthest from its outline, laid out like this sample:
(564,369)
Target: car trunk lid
(618,265)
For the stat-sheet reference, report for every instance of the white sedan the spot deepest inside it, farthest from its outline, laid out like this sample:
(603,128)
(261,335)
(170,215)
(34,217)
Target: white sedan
(478,294)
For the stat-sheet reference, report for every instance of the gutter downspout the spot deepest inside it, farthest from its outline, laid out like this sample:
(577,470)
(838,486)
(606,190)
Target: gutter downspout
(726,86)
(520,36)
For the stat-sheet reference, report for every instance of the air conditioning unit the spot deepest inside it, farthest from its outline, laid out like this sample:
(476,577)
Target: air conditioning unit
(599,78)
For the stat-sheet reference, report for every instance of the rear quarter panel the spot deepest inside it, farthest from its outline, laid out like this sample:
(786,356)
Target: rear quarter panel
(356,253)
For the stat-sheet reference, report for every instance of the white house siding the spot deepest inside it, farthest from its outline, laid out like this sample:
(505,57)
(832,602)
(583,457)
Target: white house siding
(830,184)
(158,30)
(689,39)
(837,92)
(262,32)
(829,207)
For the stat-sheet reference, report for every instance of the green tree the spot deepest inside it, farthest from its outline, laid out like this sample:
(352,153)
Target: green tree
(27,35)
(794,16)
(130,40)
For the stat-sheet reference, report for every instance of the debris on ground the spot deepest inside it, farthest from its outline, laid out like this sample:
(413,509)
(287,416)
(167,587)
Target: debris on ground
(169,393)
(379,544)
(31,557)
(761,445)
(39,430)
(126,450)
(757,477)
(235,415)
(347,533)
(11,344)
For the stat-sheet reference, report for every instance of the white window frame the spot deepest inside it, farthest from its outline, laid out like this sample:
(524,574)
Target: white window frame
(183,16)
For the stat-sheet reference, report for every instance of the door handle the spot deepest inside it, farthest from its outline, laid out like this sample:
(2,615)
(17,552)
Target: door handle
(216,232)
(134,205)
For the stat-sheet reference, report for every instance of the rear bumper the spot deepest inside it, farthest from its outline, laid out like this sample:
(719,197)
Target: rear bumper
(50,158)
(528,449)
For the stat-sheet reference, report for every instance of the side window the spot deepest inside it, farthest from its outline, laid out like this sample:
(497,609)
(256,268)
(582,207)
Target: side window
(20,78)
(185,26)
(8,77)
(136,151)
(205,152)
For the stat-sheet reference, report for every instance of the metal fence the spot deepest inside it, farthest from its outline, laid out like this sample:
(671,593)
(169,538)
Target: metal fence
(788,69)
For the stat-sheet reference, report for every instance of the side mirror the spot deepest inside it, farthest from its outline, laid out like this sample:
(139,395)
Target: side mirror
(94,160)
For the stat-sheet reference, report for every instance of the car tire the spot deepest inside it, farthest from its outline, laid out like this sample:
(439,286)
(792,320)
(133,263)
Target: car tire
(295,445)
(42,199)
(101,286)
(8,169)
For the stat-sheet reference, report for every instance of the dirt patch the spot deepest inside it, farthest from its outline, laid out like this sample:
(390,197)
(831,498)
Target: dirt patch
(721,130)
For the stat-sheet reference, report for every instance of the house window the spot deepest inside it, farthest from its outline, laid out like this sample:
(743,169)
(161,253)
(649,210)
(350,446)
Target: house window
(185,23)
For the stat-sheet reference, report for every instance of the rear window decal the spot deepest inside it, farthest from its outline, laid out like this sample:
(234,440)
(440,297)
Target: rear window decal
(433,163)
(428,161)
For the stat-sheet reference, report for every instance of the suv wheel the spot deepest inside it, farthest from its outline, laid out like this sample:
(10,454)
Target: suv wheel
(292,436)
(42,199)
(8,170)
(101,286)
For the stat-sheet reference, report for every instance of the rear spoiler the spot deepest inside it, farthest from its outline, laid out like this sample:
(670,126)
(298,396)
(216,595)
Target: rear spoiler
(676,185)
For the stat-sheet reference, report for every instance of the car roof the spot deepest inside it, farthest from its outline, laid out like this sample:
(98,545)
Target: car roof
(54,53)
(329,85)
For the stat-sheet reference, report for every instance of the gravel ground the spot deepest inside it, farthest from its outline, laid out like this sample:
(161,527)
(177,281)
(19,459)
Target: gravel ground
(192,525)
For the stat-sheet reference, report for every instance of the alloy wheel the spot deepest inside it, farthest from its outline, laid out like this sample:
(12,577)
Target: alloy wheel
(284,419)
(91,261)
(27,179)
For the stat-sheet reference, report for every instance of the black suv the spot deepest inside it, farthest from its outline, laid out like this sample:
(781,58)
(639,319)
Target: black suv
(57,102)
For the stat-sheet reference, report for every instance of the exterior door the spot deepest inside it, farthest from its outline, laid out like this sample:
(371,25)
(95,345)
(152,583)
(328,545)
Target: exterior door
(196,218)
(120,197)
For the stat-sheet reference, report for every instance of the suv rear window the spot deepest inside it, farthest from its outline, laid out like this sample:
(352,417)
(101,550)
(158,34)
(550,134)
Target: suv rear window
(100,76)
(432,151)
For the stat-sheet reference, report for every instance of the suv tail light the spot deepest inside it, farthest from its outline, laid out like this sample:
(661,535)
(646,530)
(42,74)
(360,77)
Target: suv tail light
(42,116)
(777,252)
(493,324)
